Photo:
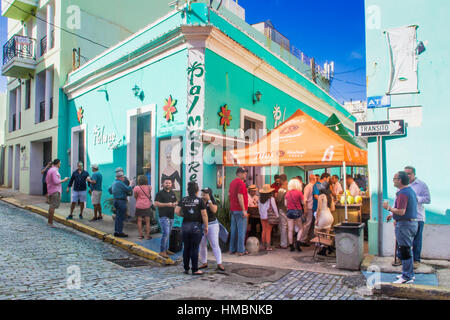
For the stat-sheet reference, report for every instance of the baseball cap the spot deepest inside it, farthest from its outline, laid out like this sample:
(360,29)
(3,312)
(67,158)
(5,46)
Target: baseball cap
(207,190)
(94,166)
(241,169)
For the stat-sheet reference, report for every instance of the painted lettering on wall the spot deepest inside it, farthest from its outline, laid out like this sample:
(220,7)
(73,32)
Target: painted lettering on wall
(195,107)
(110,139)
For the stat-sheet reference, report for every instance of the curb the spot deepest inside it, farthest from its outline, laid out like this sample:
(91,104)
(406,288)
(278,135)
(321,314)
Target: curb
(412,291)
(367,262)
(126,245)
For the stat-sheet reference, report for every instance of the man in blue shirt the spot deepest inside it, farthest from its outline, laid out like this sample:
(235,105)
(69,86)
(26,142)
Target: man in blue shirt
(95,183)
(120,192)
(78,180)
(405,216)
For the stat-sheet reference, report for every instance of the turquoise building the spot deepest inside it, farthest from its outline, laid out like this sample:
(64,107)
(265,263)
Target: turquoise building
(168,99)
(408,62)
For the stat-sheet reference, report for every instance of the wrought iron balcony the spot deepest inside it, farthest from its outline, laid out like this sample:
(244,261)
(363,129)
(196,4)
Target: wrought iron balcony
(19,58)
(43,43)
(42,110)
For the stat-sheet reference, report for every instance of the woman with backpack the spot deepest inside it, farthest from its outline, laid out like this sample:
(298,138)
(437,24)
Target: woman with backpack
(193,211)
(267,211)
(142,193)
(295,204)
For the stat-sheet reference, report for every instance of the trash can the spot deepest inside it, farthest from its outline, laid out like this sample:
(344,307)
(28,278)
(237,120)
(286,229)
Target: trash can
(349,245)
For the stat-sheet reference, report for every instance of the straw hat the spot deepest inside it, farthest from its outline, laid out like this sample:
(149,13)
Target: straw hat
(253,187)
(266,189)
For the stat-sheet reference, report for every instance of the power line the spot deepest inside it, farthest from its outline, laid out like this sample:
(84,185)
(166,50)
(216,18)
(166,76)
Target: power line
(349,82)
(350,71)
(61,28)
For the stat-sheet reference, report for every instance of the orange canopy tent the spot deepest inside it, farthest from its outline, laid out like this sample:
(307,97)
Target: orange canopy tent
(299,141)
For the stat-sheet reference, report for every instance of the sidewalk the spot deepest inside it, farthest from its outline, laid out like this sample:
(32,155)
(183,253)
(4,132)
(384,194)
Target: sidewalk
(432,277)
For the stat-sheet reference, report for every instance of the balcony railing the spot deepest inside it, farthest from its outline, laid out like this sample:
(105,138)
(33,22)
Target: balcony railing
(13,122)
(44,43)
(42,110)
(18,47)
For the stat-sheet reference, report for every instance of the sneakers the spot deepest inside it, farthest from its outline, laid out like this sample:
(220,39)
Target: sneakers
(399,276)
(297,246)
(401,280)
(69,217)
(80,216)
(120,235)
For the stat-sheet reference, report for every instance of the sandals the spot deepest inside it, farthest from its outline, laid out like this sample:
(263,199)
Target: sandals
(240,254)
(148,237)
(197,273)
(269,249)
(141,237)
(220,269)
(203,266)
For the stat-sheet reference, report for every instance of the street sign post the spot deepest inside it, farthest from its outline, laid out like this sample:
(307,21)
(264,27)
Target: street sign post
(380,128)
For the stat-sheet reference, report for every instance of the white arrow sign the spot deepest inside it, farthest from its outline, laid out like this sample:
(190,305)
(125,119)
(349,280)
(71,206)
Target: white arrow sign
(394,126)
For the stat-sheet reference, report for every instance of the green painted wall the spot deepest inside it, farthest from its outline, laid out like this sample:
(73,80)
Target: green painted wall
(158,81)
(424,147)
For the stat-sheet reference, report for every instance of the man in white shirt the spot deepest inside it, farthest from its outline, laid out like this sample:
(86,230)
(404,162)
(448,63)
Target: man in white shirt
(337,188)
(308,210)
(423,197)
(352,186)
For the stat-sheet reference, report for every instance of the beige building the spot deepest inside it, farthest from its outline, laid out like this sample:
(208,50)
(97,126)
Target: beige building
(47,40)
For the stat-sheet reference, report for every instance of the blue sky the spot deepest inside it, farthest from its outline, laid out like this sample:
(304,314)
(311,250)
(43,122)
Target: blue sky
(327,30)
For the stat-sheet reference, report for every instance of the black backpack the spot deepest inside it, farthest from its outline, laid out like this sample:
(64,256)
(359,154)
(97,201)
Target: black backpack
(175,240)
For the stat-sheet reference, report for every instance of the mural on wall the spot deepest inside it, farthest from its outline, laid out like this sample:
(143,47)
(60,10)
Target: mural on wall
(219,183)
(80,115)
(170,160)
(169,108)
(138,93)
(225,117)
(195,107)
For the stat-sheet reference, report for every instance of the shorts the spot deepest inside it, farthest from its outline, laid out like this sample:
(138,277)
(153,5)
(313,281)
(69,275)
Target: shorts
(78,196)
(96,197)
(143,212)
(54,200)
(294,214)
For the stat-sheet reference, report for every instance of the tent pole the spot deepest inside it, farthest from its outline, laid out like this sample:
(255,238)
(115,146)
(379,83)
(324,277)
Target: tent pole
(345,191)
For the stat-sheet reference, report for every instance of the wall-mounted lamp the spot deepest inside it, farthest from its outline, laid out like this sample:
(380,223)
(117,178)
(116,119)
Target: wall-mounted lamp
(22,149)
(257,96)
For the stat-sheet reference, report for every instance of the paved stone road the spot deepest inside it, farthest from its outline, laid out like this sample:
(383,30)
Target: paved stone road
(34,260)
(305,285)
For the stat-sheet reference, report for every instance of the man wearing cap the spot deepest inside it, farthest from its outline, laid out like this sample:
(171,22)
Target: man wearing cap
(120,192)
(238,206)
(95,184)
(78,180)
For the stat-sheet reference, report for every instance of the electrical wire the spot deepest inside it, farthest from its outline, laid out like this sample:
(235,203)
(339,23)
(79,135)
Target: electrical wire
(350,82)
(351,71)
(52,24)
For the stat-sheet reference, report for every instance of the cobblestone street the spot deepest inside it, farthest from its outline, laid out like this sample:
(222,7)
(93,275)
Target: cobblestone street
(34,260)
(37,261)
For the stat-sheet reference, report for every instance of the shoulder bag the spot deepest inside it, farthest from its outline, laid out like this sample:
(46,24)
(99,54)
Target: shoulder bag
(272,217)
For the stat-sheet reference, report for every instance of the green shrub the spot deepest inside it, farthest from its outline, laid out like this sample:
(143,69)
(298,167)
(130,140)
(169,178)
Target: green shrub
(223,212)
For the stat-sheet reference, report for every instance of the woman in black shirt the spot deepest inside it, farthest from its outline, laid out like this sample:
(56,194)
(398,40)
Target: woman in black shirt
(193,211)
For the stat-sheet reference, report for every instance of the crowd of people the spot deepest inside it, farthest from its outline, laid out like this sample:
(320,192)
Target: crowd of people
(295,209)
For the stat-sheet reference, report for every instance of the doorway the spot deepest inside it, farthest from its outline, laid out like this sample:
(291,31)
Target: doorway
(17,167)
(254,126)
(10,166)
(41,153)
(141,148)
(78,151)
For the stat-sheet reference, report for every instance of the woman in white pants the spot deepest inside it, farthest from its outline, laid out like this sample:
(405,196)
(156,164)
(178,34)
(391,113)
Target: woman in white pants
(213,232)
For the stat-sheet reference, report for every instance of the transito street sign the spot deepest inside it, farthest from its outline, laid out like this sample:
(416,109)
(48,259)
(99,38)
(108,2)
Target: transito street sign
(380,128)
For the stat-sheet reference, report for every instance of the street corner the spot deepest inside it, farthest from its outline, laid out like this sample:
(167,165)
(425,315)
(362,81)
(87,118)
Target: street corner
(412,291)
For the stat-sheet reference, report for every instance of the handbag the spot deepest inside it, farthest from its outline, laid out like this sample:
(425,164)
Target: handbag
(272,217)
(152,210)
